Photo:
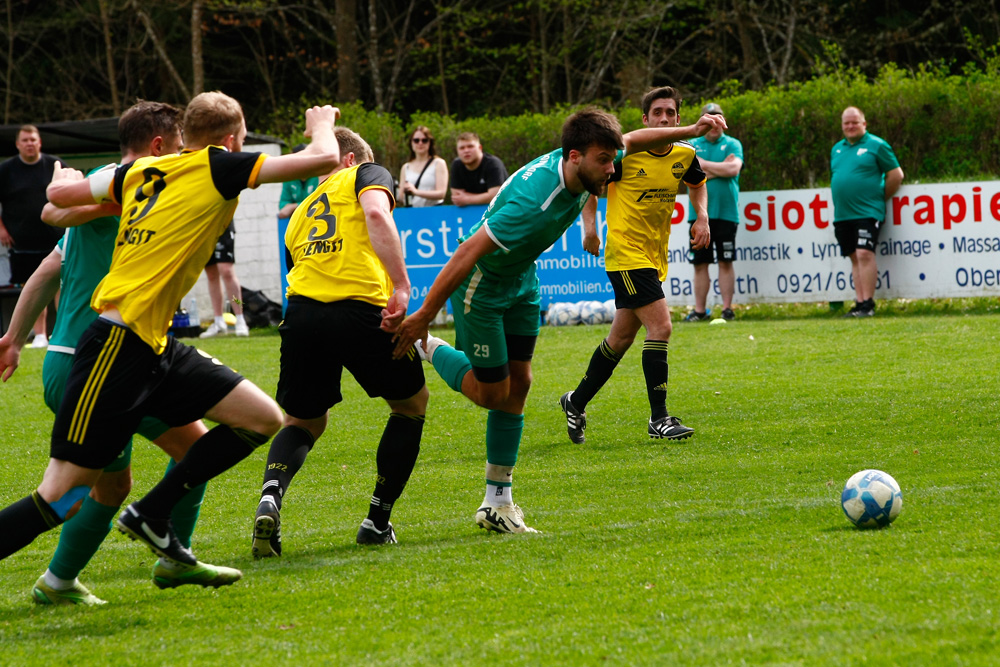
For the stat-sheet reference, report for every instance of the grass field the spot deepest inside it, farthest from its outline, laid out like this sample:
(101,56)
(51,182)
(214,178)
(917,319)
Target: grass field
(728,548)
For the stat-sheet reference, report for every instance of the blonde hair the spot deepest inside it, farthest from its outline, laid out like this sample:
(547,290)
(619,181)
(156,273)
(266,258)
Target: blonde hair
(351,142)
(211,117)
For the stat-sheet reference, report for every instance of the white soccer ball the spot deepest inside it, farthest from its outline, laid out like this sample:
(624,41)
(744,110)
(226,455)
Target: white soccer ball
(558,314)
(609,310)
(591,312)
(871,499)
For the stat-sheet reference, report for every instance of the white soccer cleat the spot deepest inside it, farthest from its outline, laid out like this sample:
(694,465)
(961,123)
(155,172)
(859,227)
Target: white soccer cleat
(40,342)
(242,329)
(432,344)
(505,519)
(214,330)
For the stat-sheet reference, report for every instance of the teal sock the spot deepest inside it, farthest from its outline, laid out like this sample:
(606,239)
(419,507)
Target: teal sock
(451,365)
(503,437)
(81,537)
(184,516)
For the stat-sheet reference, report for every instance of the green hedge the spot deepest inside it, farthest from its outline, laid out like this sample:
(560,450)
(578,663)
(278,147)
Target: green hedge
(942,127)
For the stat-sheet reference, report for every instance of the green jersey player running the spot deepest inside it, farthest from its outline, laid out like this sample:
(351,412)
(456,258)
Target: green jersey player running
(81,260)
(494,290)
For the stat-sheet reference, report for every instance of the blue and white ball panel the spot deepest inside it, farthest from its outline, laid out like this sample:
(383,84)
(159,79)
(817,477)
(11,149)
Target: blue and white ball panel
(871,499)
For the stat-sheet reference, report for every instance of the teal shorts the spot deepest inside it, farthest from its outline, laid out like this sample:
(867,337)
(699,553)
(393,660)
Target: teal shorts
(55,370)
(487,310)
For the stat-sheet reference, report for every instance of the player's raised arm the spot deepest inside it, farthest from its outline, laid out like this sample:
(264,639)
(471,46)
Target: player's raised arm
(70,188)
(651,138)
(319,158)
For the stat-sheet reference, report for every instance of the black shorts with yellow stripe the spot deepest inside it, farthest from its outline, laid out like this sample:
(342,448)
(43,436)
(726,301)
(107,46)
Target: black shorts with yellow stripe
(319,340)
(636,287)
(117,379)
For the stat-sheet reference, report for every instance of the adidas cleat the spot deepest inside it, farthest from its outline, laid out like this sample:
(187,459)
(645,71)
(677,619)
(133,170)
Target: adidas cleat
(576,421)
(157,534)
(42,593)
(201,574)
(695,316)
(266,531)
(669,428)
(505,519)
(369,534)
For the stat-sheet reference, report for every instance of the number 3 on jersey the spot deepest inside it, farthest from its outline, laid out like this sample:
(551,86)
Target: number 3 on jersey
(152,185)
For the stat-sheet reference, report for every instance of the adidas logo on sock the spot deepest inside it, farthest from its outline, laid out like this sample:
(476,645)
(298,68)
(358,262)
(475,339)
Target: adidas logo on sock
(662,387)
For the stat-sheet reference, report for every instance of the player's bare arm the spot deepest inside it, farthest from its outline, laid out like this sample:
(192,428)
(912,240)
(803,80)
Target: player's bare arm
(652,138)
(36,294)
(893,179)
(469,252)
(77,215)
(700,234)
(319,158)
(69,187)
(385,242)
(591,240)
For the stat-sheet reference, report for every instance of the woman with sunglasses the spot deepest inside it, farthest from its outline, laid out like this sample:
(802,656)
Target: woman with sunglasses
(423,181)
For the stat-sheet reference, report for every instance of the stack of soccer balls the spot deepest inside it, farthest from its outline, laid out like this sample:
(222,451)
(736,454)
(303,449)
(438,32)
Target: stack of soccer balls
(563,314)
(871,499)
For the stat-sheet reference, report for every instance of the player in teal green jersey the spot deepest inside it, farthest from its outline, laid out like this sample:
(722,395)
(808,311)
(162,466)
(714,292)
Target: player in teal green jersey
(494,290)
(81,260)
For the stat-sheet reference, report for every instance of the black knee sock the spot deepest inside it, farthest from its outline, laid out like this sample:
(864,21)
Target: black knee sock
(602,364)
(397,454)
(655,369)
(288,452)
(212,454)
(23,521)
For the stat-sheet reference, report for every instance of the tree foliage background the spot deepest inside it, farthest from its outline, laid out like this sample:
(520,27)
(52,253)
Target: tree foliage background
(68,59)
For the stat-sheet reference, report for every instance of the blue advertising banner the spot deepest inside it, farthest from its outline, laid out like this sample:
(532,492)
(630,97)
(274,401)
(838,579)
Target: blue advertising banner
(566,272)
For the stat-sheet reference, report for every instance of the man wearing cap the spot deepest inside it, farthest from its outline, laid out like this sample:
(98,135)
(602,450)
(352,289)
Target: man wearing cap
(864,175)
(721,158)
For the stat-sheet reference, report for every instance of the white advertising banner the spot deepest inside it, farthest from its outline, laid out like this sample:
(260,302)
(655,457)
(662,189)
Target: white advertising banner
(939,240)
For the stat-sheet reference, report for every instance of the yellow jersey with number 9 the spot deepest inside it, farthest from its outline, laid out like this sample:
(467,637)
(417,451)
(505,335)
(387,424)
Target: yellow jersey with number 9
(327,244)
(174,209)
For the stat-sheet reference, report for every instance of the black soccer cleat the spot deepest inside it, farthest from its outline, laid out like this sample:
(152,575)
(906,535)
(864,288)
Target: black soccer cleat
(576,421)
(669,428)
(369,534)
(266,530)
(728,314)
(157,534)
(695,316)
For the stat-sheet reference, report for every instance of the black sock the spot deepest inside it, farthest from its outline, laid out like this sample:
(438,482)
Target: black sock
(396,456)
(655,369)
(602,364)
(288,452)
(212,454)
(21,522)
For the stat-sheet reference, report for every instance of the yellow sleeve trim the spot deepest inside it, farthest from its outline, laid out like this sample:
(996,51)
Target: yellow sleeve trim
(255,174)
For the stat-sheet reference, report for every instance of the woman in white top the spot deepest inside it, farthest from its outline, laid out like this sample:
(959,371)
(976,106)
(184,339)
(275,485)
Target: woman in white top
(423,181)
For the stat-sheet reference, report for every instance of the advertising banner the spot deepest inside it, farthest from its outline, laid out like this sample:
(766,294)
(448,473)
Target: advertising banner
(939,240)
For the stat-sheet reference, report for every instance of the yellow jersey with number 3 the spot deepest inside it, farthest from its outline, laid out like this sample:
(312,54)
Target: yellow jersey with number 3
(327,244)
(641,197)
(174,208)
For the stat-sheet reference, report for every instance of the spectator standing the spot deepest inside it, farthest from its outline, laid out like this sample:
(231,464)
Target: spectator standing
(721,158)
(221,272)
(476,176)
(294,192)
(28,240)
(864,175)
(423,181)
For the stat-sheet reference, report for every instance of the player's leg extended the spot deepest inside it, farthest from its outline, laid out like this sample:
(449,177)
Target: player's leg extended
(603,363)
(59,496)
(655,317)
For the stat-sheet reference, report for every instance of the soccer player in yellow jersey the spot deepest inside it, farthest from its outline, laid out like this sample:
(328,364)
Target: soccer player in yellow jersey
(174,208)
(347,269)
(640,205)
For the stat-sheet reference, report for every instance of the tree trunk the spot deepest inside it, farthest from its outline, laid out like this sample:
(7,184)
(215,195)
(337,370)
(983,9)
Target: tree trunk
(348,85)
(373,60)
(160,49)
(197,53)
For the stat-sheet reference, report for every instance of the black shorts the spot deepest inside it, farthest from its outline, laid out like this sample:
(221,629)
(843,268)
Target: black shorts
(23,263)
(636,288)
(319,340)
(117,379)
(723,243)
(224,248)
(853,234)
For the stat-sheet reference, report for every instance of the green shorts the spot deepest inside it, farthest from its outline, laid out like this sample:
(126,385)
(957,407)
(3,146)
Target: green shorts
(55,370)
(487,310)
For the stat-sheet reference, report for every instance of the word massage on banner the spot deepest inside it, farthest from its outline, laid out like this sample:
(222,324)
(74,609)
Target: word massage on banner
(939,240)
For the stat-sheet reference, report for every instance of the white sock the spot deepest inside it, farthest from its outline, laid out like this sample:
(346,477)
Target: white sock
(432,344)
(498,496)
(58,584)
(220,322)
